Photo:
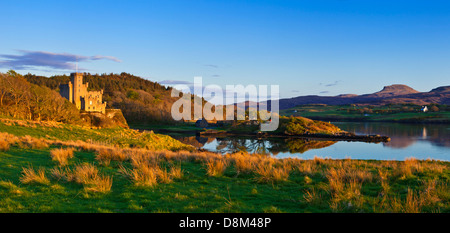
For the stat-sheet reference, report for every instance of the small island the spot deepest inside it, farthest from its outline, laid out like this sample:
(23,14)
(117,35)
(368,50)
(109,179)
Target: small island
(290,127)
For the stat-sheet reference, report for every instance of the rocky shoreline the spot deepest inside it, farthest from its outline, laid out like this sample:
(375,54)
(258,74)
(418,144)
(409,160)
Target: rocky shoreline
(334,137)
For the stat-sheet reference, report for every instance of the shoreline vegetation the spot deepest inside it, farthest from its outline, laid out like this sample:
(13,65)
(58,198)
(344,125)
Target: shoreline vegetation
(290,127)
(317,136)
(392,113)
(45,169)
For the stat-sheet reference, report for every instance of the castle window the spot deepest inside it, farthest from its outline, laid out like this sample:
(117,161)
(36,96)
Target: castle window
(90,102)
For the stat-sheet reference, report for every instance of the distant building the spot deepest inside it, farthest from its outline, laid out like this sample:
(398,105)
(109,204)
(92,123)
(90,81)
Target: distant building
(424,109)
(76,92)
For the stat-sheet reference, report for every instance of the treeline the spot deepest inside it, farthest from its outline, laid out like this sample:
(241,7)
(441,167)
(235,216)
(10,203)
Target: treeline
(24,100)
(139,99)
(108,82)
(392,108)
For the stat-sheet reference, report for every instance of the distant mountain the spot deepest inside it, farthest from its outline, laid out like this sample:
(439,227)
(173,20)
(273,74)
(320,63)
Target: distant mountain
(394,94)
(347,95)
(445,89)
(394,90)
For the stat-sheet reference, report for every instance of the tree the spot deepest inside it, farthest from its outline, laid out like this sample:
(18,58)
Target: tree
(21,99)
(3,88)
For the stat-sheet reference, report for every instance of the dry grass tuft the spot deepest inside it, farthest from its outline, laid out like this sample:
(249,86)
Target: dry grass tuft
(102,184)
(62,156)
(163,175)
(146,171)
(412,204)
(305,167)
(85,173)
(407,168)
(105,156)
(243,163)
(176,173)
(312,197)
(345,189)
(433,166)
(61,174)
(384,182)
(267,172)
(143,176)
(30,176)
(216,167)
(4,145)
(432,192)
(12,139)
(29,142)
(318,160)
(88,175)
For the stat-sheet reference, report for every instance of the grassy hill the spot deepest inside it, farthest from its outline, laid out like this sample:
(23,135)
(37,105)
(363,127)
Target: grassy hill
(20,99)
(139,99)
(119,137)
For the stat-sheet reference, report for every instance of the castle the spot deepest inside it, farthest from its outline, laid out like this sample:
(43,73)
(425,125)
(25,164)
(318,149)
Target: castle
(76,92)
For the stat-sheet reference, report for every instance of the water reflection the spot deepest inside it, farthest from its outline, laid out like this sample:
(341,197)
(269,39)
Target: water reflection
(407,140)
(195,141)
(301,146)
(402,135)
(255,145)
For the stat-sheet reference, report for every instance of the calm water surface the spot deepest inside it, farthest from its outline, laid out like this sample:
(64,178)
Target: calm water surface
(407,140)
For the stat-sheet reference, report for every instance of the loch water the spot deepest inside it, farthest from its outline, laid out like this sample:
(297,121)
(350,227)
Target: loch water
(421,141)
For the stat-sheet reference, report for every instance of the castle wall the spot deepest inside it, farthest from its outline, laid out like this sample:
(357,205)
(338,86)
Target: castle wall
(92,102)
(66,91)
(76,92)
(79,89)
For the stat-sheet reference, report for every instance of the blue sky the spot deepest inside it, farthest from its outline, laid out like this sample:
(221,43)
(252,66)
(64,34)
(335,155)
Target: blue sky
(307,47)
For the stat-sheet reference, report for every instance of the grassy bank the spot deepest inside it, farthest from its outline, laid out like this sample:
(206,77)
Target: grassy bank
(43,175)
(110,136)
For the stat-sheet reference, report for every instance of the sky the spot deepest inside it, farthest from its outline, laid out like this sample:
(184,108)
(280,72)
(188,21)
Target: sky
(307,47)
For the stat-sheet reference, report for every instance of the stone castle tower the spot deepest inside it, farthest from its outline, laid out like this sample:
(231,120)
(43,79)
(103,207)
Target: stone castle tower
(76,92)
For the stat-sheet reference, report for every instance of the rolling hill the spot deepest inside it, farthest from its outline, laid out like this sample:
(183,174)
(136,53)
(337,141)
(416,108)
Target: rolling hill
(393,94)
(140,100)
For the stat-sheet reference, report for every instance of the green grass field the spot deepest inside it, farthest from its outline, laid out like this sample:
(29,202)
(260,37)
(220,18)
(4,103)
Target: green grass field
(108,136)
(49,167)
(140,180)
(188,127)
(195,192)
(391,113)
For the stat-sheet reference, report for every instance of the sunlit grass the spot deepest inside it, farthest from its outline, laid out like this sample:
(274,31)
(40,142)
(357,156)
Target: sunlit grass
(97,176)
(62,155)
